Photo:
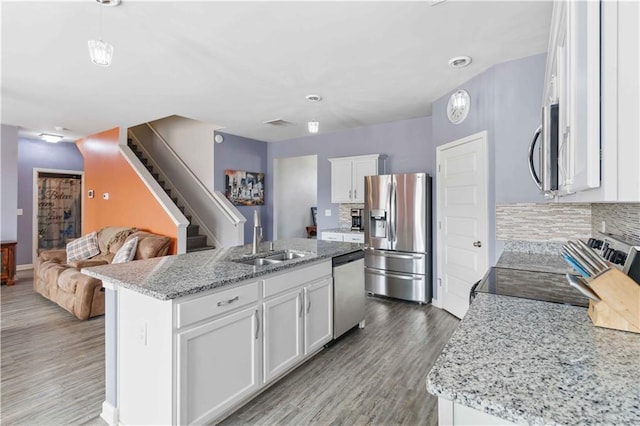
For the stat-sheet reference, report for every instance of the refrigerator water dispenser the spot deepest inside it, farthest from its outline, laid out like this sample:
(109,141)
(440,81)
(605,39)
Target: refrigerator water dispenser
(378,223)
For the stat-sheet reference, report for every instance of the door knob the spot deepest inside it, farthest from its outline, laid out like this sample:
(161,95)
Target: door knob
(477,244)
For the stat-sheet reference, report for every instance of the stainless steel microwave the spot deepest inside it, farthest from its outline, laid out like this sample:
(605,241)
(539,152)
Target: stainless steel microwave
(548,135)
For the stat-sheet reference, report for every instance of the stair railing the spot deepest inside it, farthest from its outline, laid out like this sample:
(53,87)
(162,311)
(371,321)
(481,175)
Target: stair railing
(228,225)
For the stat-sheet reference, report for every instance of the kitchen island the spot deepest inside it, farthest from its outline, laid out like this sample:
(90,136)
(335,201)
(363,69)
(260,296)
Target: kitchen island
(515,360)
(190,338)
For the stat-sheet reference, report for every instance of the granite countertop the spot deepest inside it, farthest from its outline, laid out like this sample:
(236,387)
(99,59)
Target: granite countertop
(534,262)
(170,277)
(537,362)
(342,231)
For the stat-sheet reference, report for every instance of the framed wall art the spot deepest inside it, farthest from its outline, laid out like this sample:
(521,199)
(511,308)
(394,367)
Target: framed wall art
(244,188)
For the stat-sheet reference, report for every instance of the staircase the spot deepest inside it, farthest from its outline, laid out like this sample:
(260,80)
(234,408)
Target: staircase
(195,241)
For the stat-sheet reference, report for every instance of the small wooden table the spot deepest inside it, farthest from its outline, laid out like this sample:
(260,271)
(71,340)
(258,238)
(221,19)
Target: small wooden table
(8,262)
(312,231)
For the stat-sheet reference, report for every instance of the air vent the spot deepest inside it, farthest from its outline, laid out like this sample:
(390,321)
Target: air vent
(278,122)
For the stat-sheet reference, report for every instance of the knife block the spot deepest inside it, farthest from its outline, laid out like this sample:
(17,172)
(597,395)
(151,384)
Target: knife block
(619,307)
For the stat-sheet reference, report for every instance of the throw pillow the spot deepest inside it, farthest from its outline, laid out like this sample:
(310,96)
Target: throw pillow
(83,248)
(127,252)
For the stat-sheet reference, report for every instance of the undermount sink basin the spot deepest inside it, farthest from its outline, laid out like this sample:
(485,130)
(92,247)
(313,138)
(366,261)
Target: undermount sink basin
(259,261)
(287,255)
(270,260)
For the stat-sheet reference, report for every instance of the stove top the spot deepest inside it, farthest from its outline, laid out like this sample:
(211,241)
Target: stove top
(535,285)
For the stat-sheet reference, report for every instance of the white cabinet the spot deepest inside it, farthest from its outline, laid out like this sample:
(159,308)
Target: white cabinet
(224,351)
(318,324)
(592,72)
(282,333)
(347,237)
(347,176)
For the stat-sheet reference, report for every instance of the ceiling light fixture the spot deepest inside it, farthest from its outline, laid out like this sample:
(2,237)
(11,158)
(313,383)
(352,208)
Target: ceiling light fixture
(100,51)
(459,102)
(313,126)
(50,138)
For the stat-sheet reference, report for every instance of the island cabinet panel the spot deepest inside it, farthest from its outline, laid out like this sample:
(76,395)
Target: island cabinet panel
(282,333)
(219,365)
(145,359)
(296,278)
(318,325)
(453,414)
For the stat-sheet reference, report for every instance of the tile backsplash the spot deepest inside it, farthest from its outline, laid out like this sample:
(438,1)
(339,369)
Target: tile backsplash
(560,222)
(344,214)
(621,219)
(543,222)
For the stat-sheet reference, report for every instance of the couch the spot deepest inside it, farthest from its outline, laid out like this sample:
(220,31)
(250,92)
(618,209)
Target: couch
(63,283)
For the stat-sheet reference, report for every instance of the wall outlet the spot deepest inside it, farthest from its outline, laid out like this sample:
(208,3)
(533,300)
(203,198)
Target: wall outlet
(20,212)
(105,196)
(327,212)
(90,193)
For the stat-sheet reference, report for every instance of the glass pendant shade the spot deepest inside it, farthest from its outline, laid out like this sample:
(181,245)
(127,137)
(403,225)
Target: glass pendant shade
(460,99)
(313,126)
(101,52)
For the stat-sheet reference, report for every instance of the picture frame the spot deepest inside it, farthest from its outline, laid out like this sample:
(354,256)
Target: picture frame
(244,188)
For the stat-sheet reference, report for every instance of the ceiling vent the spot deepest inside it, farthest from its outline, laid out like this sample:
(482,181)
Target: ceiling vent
(278,122)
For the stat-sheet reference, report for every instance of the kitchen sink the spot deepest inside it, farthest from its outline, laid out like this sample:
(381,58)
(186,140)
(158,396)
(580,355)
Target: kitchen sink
(272,259)
(287,255)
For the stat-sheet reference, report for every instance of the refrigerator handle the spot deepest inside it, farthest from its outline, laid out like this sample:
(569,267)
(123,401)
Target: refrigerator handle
(532,146)
(394,208)
(390,211)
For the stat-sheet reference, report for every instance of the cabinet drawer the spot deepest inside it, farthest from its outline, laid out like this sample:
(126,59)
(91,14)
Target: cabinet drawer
(354,238)
(295,278)
(192,311)
(331,236)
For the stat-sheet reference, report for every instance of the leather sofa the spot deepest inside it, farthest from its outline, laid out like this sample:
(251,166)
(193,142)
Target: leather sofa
(83,296)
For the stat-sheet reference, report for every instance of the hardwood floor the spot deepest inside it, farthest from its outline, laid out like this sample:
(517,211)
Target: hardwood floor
(52,368)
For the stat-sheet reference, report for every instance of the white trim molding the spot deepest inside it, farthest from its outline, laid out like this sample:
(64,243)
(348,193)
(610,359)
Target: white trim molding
(109,414)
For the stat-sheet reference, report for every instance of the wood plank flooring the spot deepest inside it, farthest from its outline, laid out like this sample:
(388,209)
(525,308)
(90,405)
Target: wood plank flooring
(52,368)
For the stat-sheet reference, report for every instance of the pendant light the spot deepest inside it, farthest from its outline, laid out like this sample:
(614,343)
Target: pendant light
(100,51)
(313,126)
(460,101)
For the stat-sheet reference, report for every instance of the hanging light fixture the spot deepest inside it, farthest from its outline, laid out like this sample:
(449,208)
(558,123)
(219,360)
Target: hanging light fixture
(47,137)
(313,126)
(460,101)
(100,51)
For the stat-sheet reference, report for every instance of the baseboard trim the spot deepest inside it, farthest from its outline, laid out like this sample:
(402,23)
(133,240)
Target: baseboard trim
(26,267)
(109,414)
(435,302)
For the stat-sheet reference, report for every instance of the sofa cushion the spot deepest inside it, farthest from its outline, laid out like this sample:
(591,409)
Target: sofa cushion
(68,280)
(111,238)
(127,251)
(150,245)
(53,255)
(87,263)
(83,248)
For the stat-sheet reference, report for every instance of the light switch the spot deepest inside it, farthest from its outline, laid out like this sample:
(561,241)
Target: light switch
(20,212)
(327,212)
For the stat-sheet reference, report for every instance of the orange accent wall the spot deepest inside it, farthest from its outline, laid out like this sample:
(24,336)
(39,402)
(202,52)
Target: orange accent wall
(130,202)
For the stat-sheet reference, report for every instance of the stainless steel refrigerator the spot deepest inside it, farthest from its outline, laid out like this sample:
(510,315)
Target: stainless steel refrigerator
(397,233)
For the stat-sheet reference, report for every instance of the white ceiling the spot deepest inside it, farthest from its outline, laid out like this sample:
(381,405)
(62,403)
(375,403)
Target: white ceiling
(239,64)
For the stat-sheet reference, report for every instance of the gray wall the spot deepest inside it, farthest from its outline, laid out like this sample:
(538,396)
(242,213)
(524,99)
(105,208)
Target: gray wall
(33,153)
(295,192)
(238,153)
(8,189)
(505,101)
(407,145)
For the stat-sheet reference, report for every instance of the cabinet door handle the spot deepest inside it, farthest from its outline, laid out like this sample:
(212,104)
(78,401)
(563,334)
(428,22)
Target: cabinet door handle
(306,293)
(301,306)
(228,302)
(349,194)
(257,324)
(355,194)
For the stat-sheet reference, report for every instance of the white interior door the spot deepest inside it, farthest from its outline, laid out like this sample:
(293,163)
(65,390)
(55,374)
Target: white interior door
(462,219)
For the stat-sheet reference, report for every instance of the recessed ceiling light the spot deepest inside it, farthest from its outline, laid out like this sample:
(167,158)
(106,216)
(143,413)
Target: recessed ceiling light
(459,61)
(50,138)
(108,2)
(314,98)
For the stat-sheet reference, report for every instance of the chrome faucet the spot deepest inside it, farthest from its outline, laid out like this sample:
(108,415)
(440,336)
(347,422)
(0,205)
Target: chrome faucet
(257,232)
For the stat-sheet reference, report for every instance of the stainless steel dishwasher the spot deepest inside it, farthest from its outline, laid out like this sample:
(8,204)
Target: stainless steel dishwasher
(348,292)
